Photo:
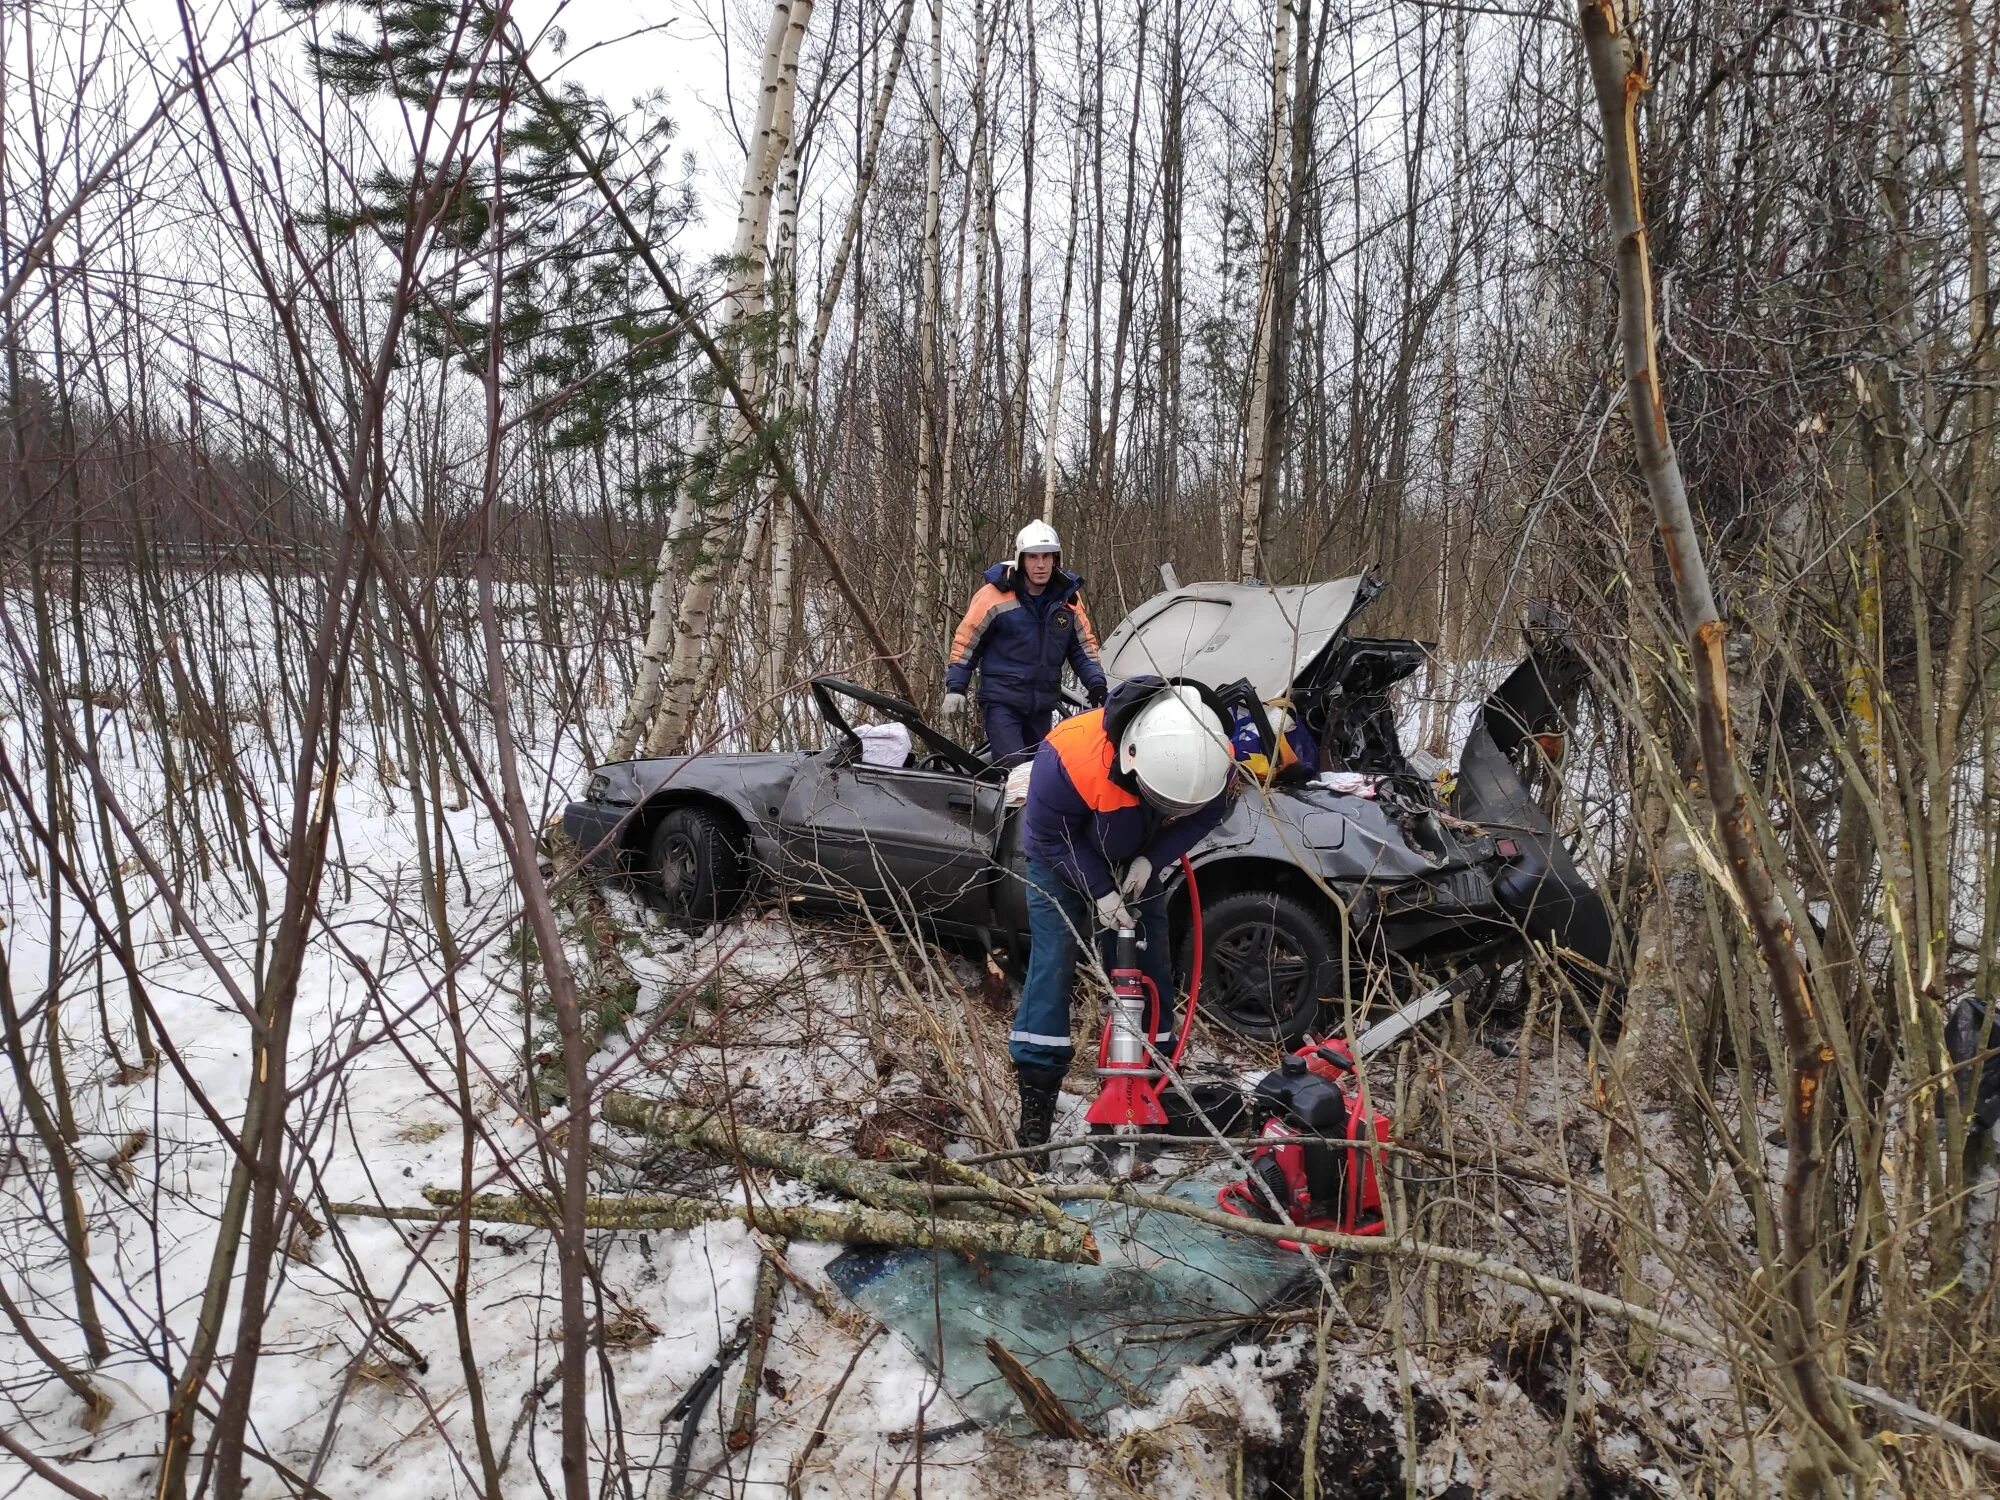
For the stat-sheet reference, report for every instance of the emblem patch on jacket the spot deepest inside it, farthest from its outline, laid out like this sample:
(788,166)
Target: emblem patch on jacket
(1060,619)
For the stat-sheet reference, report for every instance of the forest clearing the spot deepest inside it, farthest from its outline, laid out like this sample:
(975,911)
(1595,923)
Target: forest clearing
(1429,929)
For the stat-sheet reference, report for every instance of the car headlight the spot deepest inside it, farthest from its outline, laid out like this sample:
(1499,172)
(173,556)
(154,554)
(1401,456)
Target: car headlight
(598,786)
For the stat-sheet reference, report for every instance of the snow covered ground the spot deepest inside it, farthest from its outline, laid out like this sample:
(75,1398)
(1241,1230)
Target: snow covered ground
(794,1024)
(824,1031)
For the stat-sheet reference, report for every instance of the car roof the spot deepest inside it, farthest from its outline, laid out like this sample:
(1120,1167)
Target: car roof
(1216,633)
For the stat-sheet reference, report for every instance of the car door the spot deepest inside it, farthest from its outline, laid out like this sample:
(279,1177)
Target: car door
(898,838)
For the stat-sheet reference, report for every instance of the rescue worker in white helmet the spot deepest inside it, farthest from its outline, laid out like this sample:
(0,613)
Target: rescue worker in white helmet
(1024,624)
(1116,796)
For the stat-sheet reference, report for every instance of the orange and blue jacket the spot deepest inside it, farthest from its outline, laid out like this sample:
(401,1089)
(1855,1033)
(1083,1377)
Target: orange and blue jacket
(1083,820)
(1019,642)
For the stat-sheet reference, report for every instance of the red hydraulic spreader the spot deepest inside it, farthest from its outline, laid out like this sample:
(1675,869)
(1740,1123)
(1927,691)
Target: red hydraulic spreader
(1128,1052)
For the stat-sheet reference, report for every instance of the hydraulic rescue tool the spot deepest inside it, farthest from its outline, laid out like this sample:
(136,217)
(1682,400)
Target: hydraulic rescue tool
(1128,1053)
(1314,1164)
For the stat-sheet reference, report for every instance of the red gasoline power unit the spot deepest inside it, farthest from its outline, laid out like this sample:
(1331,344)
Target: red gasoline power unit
(1312,1166)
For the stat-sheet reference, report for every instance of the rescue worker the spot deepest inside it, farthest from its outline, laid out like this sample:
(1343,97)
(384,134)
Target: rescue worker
(1116,796)
(1026,620)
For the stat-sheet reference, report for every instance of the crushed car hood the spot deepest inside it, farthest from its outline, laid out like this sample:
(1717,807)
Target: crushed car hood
(1216,633)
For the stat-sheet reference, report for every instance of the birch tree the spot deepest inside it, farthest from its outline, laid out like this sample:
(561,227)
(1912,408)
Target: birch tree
(1059,360)
(664,692)
(930,376)
(728,472)
(1251,514)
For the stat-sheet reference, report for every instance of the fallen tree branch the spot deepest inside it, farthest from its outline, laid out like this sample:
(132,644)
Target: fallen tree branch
(1043,1406)
(979,1182)
(763,1313)
(707,1130)
(856,1225)
(1916,1416)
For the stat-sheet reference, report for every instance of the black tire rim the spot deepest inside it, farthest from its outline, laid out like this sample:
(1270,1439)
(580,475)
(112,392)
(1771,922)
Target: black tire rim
(678,873)
(1257,975)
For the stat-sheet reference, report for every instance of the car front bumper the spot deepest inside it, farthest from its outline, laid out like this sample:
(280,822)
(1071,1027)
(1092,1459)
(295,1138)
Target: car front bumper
(597,831)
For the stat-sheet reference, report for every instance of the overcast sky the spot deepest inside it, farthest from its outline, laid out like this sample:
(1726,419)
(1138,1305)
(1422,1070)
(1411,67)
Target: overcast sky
(620,50)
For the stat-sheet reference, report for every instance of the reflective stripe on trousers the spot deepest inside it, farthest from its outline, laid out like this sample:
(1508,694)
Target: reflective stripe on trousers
(1057,914)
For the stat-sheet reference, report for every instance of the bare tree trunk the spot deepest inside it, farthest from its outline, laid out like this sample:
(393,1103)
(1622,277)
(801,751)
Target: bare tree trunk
(1278,376)
(653,652)
(1256,419)
(931,380)
(62,1166)
(864,183)
(1105,476)
(1017,456)
(718,494)
(572,1244)
(1173,187)
(1976,505)
(979,195)
(775,514)
(1051,429)
(1617,71)
(670,658)
(1448,396)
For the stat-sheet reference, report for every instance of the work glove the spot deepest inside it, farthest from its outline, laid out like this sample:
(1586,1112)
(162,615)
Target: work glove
(1138,874)
(953,705)
(1095,695)
(1113,913)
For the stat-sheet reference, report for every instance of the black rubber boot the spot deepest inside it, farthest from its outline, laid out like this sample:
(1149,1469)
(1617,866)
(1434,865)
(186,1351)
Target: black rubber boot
(1040,1088)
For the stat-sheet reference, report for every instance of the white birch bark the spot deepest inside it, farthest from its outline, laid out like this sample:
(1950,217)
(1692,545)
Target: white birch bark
(774,673)
(746,300)
(662,632)
(1250,505)
(1050,429)
(878,447)
(1017,459)
(925,593)
(729,613)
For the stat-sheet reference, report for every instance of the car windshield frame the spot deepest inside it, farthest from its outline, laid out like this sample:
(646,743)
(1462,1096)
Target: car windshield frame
(827,690)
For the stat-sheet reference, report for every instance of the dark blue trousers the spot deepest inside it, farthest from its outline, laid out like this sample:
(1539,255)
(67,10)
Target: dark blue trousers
(1012,735)
(1058,914)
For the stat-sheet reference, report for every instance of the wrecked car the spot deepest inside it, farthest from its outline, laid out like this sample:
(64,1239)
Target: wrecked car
(1361,860)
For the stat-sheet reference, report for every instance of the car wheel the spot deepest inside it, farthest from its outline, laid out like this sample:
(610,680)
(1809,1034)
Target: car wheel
(1266,962)
(693,871)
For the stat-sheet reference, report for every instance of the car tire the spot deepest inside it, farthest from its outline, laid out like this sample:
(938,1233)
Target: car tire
(1267,960)
(693,870)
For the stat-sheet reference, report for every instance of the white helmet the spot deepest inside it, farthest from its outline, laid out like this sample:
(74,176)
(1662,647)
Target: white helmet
(1175,749)
(1037,536)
